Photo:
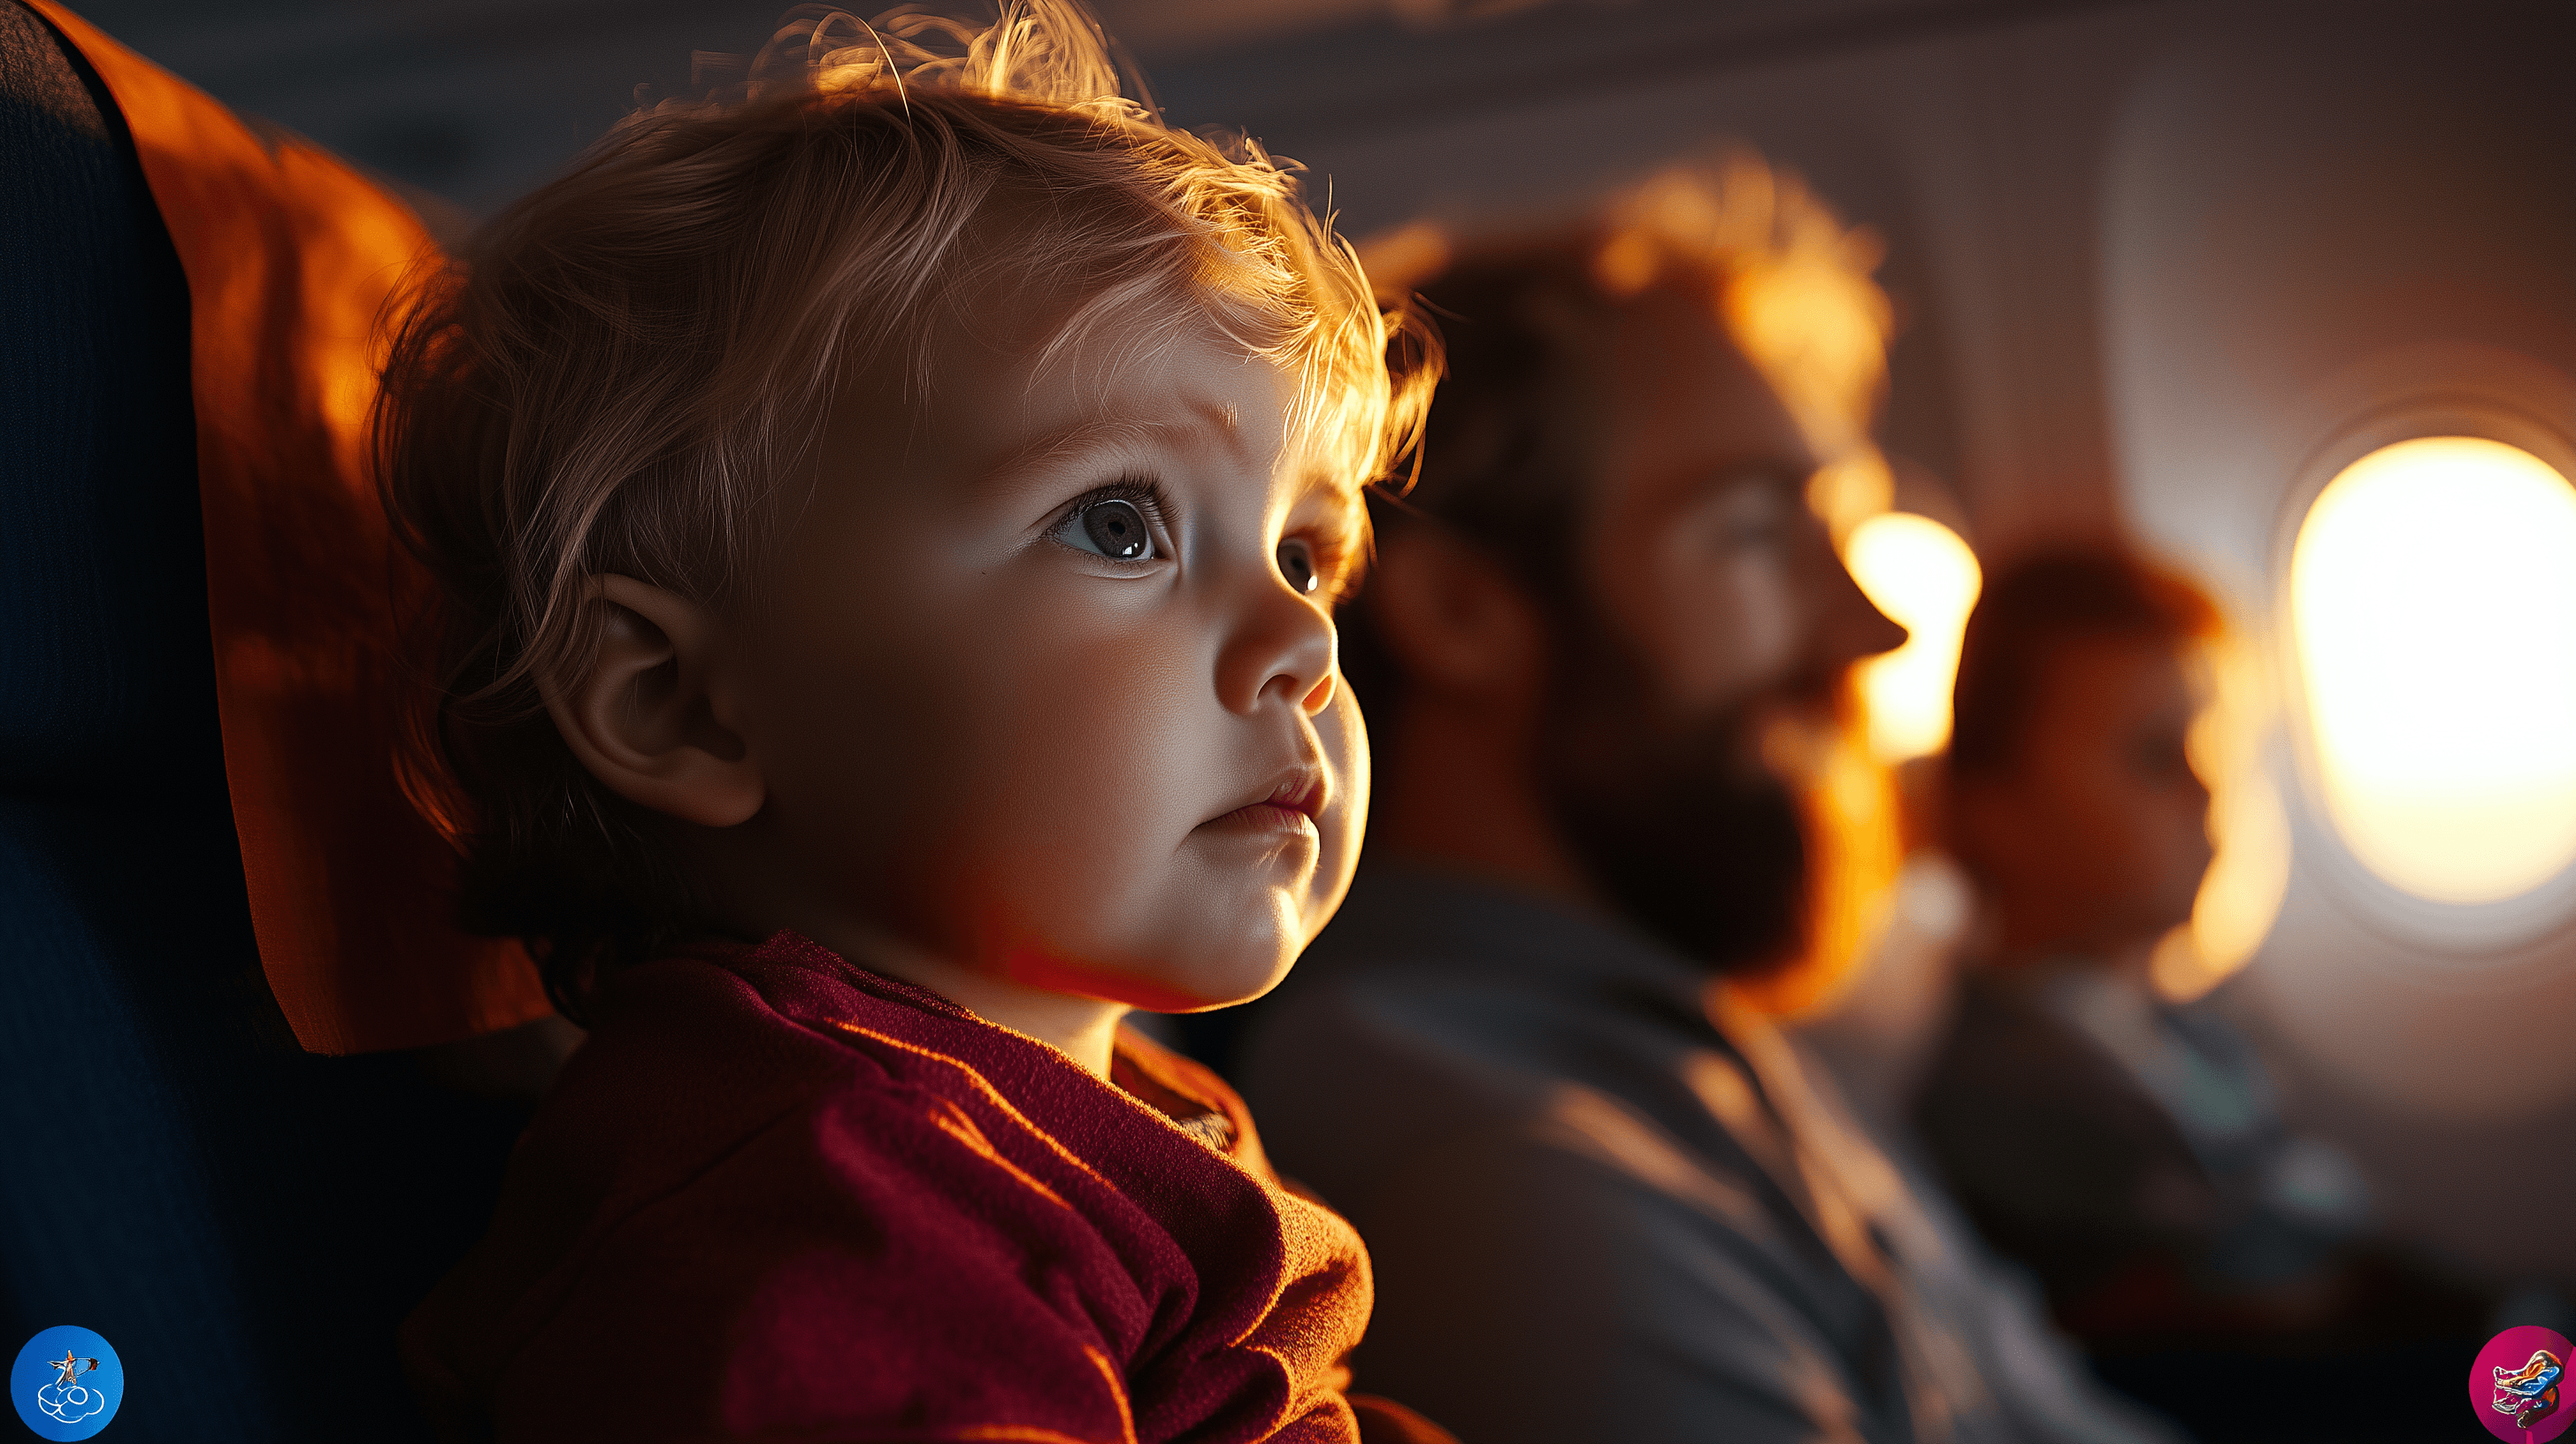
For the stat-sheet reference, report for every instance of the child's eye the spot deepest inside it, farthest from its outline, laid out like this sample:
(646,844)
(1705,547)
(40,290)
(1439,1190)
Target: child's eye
(1297,564)
(1111,528)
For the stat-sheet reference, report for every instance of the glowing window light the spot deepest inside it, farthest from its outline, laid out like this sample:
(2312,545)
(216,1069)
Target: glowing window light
(2433,607)
(1920,573)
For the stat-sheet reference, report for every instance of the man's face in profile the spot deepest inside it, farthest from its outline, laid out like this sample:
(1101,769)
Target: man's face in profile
(1712,623)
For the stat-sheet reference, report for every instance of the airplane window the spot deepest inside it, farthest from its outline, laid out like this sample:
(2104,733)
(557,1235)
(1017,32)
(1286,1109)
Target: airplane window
(2433,613)
(1919,572)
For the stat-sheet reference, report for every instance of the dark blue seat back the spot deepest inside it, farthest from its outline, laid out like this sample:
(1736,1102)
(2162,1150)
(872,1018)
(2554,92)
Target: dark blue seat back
(243,1221)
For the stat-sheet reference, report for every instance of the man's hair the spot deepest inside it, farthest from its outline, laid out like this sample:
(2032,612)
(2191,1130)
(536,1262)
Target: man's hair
(616,372)
(1524,329)
(2034,610)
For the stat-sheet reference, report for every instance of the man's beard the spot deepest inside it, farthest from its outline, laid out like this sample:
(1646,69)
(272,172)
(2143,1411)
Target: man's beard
(1674,819)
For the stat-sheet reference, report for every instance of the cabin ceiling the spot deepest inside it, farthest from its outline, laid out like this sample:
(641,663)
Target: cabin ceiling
(476,100)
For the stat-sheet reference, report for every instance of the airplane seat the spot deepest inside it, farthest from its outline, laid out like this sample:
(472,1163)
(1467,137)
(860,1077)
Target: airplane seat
(243,1221)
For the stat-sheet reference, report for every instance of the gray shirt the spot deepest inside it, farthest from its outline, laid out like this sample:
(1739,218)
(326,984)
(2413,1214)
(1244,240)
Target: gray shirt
(1602,1204)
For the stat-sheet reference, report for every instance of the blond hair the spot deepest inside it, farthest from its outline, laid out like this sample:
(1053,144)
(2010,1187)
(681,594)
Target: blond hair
(619,370)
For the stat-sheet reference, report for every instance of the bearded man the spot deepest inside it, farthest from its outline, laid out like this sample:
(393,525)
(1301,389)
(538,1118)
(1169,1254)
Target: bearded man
(1605,1201)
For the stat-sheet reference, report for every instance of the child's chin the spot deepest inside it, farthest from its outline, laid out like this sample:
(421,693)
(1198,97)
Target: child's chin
(1199,991)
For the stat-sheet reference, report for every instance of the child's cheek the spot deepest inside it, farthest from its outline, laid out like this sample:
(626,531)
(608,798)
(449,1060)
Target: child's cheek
(1080,772)
(1342,731)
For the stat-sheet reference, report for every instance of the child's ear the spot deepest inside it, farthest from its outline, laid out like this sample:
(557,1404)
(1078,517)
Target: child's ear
(650,714)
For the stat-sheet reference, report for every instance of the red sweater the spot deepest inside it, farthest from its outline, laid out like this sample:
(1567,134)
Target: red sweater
(776,1196)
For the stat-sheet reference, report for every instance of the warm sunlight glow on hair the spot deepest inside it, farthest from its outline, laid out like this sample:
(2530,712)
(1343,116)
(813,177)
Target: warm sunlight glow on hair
(2433,607)
(1919,572)
(1793,285)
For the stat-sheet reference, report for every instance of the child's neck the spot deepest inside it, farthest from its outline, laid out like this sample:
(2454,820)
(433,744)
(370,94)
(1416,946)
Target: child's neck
(1083,1028)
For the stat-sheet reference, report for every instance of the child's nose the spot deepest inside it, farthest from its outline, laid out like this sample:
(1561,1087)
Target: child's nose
(1321,696)
(1282,646)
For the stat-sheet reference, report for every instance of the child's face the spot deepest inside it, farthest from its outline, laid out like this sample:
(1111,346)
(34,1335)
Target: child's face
(2097,837)
(1037,682)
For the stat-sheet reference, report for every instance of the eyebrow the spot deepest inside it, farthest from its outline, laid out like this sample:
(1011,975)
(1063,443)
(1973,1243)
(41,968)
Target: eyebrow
(1073,444)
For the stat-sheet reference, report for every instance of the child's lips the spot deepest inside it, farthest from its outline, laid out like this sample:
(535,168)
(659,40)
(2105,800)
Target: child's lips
(1263,817)
(1295,799)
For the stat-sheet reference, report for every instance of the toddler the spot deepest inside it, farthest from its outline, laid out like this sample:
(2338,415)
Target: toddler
(886,523)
